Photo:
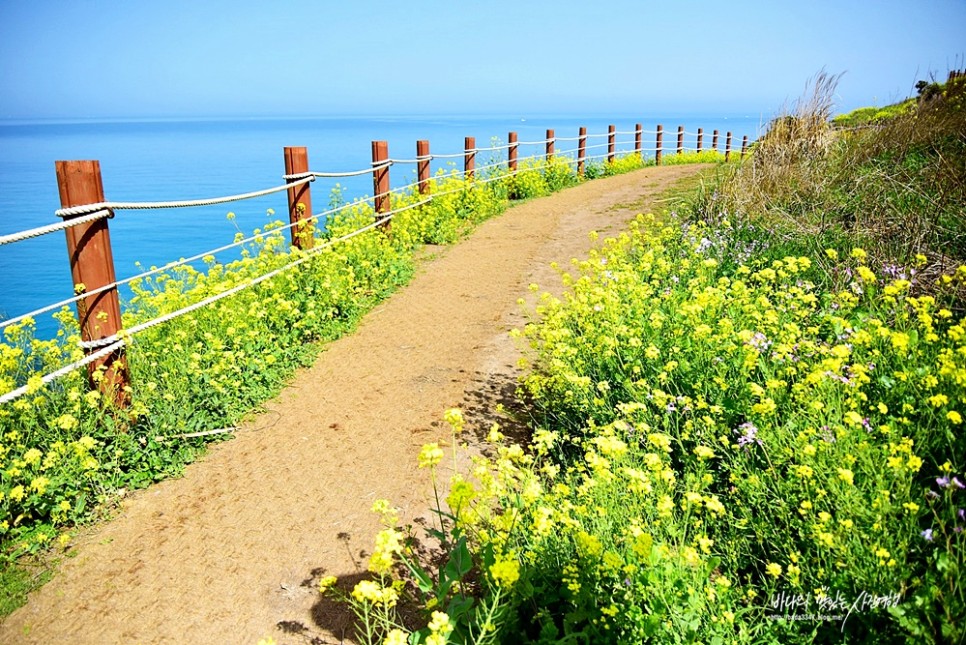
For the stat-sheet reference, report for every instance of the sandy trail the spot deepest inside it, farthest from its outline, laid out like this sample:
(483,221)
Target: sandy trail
(232,551)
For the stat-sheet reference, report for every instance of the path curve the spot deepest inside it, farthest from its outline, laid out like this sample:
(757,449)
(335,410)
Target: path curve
(232,551)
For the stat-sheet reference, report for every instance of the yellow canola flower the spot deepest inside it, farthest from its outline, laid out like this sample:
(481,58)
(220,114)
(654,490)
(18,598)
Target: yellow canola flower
(327,583)
(454,417)
(773,569)
(430,455)
(846,475)
(866,274)
(396,637)
(665,506)
(372,592)
(388,544)
(440,624)
(704,453)
(505,571)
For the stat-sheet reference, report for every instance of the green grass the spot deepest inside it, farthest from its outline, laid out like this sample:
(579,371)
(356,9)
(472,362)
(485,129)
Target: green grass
(17,581)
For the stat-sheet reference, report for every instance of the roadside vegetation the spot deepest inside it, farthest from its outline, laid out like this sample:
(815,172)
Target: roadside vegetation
(67,454)
(747,419)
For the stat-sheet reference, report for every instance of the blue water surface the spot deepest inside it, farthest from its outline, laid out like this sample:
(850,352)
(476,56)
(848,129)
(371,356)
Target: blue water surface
(163,160)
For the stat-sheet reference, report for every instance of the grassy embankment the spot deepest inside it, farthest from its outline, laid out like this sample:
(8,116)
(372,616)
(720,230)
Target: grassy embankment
(66,454)
(748,419)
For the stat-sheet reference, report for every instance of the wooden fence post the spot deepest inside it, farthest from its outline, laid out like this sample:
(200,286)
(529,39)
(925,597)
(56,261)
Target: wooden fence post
(299,199)
(659,145)
(511,156)
(550,142)
(380,179)
(714,141)
(744,146)
(611,143)
(92,267)
(422,166)
(469,157)
(680,139)
(728,146)
(638,133)
(700,138)
(581,151)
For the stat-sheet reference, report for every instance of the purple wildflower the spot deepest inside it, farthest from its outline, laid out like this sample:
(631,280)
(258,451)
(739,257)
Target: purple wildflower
(759,341)
(962,513)
(927,535)
(749,436)
(958,484)
(932,494)
(942,482)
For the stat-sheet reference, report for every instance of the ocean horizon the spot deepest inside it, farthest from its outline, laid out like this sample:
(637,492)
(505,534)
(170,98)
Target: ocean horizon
(177,158)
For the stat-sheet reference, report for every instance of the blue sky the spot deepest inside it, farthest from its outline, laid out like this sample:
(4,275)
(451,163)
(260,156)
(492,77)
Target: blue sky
(113,58)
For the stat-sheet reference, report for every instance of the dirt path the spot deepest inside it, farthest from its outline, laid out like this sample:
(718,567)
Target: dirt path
(232,552)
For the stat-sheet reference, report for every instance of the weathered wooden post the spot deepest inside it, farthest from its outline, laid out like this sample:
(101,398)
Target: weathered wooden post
(422,166)
(511,157)
(700,138)
(659,145)
(638,133)
(728,146)
(680,139)
(744,146)
(714,140)
(92,267)
(469,157)
(581,150)
(611,143)
(550,142)
(299,198)
(380,179)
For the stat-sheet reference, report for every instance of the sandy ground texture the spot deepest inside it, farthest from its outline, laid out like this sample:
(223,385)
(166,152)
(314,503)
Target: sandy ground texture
(232,552)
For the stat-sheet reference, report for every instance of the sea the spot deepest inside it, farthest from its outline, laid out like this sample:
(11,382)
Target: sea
(184,159)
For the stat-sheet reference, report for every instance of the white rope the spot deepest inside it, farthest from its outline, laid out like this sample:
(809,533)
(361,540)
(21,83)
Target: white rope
(394,161)
(449,156)
(532,143)
(353,173)
(203,433)
(132,331)
(298,175)
(87,208)
(496,164)
(169,266)
(493,148)
(50,228)
(121,338)
(47,378)
(566,152)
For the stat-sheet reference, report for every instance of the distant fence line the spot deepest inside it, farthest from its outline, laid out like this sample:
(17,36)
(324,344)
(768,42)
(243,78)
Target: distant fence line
(85,214)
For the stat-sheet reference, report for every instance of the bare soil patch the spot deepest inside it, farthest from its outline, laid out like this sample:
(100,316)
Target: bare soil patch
(232,552)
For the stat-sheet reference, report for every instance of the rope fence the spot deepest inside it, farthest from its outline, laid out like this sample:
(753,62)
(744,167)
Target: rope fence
(189,203)
(89,249)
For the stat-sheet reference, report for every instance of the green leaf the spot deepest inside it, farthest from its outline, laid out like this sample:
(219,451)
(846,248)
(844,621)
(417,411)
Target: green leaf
(460,561)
